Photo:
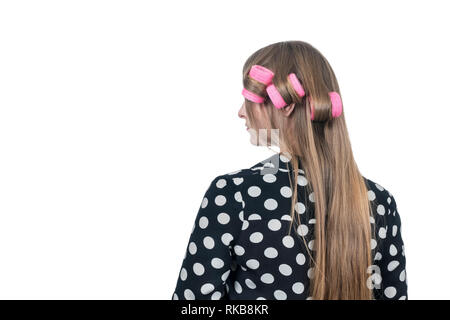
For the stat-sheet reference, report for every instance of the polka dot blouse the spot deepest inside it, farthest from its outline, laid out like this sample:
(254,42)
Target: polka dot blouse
(239,247)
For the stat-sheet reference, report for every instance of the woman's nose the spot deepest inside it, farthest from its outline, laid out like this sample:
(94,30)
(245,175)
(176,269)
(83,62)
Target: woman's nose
(241,112)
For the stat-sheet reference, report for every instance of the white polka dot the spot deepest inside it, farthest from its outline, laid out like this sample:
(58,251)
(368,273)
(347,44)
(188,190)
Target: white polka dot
(302,181)
(245,225)
(285,157)
(175,297)
(402,298)
(239,250)
(256,237)
(250,284)
(381,210)
(394,230)
(371,219)
(208,242)
(198,268)
(402,276)
(390,292)
(300,207)
(311,245)
(217,263)
(238,181)
(207,288)
(226,238)
(393,250)
(280,295)
(204,202)
(238,196)
(274,224)
(373,243)
(254,191)
(286,192)
(392,265)
(300,258)
(216,295)
(371,195)
(310,273)
(377,278)
(189,295)
(298,288)
(269,178)
(288,241)
(285,269)
(220,200)
(225,275)
(302,230)
(311,197)
(286,217)
(203,222)
(382,233)
(261,298)
(223,218)
(254,216)
(271,252)
(378,256)
(192,248)
(237,287)
(270,204)
(267,278)
(253,264)
(183,274)
(221,183)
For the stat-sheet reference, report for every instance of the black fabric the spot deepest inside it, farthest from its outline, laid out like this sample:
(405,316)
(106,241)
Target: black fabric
(240,249)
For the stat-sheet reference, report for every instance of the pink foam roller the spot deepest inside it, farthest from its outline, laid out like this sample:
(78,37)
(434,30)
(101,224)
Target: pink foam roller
(252,96)
(275,96)
(261,74)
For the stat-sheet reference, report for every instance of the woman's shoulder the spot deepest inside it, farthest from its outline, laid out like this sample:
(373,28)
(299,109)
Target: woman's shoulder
(251,172)
(379,195)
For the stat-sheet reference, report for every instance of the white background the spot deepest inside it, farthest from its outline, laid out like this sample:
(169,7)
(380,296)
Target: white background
(116,115)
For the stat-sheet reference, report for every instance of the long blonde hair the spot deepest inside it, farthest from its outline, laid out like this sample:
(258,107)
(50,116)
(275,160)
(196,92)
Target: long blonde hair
(341,252)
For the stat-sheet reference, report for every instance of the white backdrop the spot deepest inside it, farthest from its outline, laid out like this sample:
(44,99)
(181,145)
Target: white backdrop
(116,115)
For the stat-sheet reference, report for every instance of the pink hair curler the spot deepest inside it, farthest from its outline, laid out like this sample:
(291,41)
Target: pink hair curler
(260,74)
(252,96)
(275,96)
(296,84)
(336,105)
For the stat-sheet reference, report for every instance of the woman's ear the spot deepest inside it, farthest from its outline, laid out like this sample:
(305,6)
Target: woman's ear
(287,110)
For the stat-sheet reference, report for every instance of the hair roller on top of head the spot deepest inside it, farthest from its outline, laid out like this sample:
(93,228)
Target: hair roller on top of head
(260,74)
(252,96)
(296,84)
(336,105)
(275,96)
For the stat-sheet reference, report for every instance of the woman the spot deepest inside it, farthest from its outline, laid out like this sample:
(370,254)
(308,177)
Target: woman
(346,242)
